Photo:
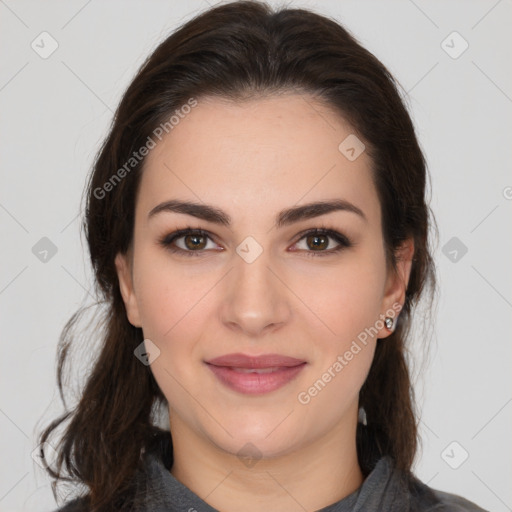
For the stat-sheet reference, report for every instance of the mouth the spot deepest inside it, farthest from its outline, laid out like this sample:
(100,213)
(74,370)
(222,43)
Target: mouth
(255,375)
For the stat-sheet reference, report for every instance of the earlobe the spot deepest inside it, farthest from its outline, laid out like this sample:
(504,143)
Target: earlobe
(124,276)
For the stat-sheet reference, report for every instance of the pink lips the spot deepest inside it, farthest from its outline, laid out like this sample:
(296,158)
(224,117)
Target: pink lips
(255,375)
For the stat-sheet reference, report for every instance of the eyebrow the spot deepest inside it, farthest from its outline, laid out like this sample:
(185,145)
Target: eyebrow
(284,218)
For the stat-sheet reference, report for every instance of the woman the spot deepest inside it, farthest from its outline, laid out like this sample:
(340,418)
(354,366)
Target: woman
(258,229)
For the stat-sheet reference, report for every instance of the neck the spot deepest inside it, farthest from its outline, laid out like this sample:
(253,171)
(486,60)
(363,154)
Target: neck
(310,478)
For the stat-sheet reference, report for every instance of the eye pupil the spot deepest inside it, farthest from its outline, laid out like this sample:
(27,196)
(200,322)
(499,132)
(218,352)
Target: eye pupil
(318,241)
(198,241)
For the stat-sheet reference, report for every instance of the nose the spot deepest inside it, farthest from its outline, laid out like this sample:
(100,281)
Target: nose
(256,299)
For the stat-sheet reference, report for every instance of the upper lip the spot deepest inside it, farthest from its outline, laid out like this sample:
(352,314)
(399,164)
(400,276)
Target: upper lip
(262,361)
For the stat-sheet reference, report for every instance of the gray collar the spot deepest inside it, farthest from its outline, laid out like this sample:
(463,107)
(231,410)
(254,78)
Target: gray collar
(160,491)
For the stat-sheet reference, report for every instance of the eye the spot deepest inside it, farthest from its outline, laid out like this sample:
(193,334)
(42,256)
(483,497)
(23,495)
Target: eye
(318,242)
(190,242)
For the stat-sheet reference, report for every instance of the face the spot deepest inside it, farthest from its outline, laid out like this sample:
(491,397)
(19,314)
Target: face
(292,313)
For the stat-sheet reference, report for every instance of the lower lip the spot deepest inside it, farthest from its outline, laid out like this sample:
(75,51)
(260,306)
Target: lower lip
(255,383)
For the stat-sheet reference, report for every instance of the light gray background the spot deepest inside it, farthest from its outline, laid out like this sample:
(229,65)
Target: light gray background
(55,112)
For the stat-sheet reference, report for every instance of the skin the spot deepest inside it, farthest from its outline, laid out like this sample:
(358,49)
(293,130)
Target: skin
(252,160)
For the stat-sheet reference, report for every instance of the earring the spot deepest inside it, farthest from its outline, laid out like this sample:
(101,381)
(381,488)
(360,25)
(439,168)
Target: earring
(362,416)
(389,322)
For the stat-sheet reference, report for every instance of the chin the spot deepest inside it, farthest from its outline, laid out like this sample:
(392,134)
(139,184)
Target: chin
(250,449)
(254,436)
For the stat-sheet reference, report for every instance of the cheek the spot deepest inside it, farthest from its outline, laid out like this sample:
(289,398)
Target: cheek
(334,389)
(168,296)
(172,307)
(342,301)
(342,332)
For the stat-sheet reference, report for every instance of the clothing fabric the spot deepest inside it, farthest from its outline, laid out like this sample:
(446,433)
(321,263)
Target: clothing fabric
(385,489)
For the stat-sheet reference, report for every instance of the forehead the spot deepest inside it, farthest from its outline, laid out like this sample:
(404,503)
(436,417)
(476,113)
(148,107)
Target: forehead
(274,152)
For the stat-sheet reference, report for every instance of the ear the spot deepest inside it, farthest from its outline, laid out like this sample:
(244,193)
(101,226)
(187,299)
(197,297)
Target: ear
(396,283)
(124,274)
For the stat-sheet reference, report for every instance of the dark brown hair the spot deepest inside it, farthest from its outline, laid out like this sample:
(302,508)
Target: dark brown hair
(238,51)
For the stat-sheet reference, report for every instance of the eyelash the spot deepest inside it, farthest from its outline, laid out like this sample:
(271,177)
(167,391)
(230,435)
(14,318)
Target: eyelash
(342,240)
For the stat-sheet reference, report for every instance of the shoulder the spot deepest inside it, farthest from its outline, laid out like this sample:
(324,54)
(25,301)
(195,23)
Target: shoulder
(76,505)
(455,503)
(426,499)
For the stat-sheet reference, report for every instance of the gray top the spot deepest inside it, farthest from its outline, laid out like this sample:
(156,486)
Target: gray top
(385,489)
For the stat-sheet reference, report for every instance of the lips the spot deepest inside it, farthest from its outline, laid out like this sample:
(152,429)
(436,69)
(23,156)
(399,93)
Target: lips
(255,374)
(263,361)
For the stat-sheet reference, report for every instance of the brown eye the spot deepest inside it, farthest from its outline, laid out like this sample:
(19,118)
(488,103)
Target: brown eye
(195,242)
(317,242)
(322,242)
(189,242)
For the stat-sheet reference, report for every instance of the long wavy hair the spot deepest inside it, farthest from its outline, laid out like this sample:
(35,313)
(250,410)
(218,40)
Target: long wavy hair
(240,50)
